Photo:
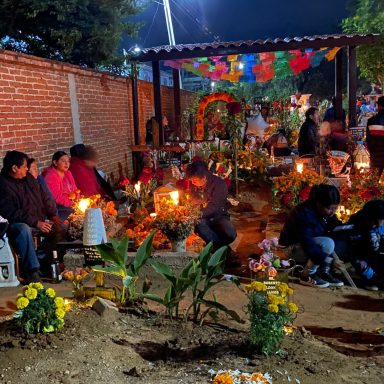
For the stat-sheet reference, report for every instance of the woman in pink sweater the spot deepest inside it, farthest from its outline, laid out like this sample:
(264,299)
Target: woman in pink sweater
(61,183)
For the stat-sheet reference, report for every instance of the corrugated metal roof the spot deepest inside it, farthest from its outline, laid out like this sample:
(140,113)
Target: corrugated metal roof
(180,51)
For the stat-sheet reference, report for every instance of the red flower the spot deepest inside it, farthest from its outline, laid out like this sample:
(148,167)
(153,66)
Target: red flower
(183,184)
(234,108)
(159,174)
(146,175)
(370,193)
(304,193)
(275,104)
(287,198)
(123,182)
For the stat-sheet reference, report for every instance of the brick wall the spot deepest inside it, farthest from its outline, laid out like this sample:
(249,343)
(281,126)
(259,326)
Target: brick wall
(36,115)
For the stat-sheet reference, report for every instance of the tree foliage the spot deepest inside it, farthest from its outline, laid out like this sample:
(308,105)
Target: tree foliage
(368,17)
(83,32)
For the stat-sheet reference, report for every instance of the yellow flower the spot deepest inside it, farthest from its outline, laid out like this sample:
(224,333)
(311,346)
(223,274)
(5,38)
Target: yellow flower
(59,302)
(50,293)
(292,307)
(22,302)
(290,291)
(274,299)
(31,293)
(255,286)
(223,378)
(37,286)
(273,308)
(60,313)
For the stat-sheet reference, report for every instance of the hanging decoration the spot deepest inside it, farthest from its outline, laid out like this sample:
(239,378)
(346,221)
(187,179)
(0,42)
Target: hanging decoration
(218,96)
(258,67)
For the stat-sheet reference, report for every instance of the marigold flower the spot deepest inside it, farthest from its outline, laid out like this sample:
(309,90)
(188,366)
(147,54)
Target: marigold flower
(22,302)
(50,293)
(59,302)
(273,308)
(222,378)
(60,313)
(292,307)
(31,293)
(37,286)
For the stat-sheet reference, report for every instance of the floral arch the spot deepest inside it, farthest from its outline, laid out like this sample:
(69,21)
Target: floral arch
(218,96)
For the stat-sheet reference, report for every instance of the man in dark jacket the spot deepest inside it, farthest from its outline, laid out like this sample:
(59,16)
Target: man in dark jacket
(214,225)
(308,137)
(375,137)
(307,231)
(26,207)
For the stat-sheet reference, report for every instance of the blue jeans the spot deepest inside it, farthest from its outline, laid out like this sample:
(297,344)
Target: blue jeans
(297,253)
(220,231)
(21,238)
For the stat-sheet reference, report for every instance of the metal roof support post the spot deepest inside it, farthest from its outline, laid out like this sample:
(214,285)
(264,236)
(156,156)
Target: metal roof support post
(352,85)
(157,98)
(177,101)
(339,84)
(135,103)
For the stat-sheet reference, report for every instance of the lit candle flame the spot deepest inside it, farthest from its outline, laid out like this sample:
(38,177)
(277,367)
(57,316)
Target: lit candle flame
(153,215)
(300,167)
(175,197)
(84,204)
(137,187)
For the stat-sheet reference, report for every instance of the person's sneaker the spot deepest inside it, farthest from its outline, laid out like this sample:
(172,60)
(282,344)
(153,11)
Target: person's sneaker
(332,280)
(314,281)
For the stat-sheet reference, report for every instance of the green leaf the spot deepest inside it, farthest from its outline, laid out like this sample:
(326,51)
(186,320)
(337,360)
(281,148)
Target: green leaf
(164,271)
(204,255)
(151,296)
(143,253)
(108,253)
(128,281)
(122,250)
(218,257)
(221,307)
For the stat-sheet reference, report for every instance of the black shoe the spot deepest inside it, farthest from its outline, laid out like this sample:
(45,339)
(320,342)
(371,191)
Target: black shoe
(33,277)
(333,281)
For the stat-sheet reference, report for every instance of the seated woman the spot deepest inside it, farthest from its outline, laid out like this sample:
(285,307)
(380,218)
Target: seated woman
(306,232)
(83,167)
(61,183)
(367,243)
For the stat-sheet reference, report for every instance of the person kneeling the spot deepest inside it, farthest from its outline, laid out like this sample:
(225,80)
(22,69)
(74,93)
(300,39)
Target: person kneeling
(307,231)
(214,225)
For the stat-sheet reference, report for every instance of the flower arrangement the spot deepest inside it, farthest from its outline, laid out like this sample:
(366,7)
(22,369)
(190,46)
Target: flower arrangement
(176,221)
(269,261)
(238,377)
(39,309)
(269,315)
(256,162)
(76,277)
(357,191)
(80,205)
(140,194)
(292,189)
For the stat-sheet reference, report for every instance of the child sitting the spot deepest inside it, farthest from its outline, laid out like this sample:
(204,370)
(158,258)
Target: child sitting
(368,241)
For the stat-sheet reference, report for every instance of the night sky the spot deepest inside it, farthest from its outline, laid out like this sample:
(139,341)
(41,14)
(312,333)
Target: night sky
(232,20)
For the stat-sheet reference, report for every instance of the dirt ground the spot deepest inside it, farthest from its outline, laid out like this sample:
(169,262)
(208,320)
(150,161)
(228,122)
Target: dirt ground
(337,339)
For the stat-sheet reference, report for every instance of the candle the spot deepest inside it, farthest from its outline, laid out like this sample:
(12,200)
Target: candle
(84,204)
(300,167)
(153,215)
(175,197)
(137,188)
(348,212)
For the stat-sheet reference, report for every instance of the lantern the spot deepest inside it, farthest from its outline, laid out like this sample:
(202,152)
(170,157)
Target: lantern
(164,192)
(361,156)
(299,167)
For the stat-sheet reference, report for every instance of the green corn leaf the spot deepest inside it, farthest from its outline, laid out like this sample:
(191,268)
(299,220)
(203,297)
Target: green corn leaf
(221,307)
(143,253)
(151,296)
(111,269)
(164,271)
(218,257)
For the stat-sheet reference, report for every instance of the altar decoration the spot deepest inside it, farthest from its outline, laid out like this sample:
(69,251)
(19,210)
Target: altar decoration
(293,188)
(204,102)
(254,162)
(337,161)
(39,309)
(357,191)
(361,157)
(269,315)
(164,192)
(76,219)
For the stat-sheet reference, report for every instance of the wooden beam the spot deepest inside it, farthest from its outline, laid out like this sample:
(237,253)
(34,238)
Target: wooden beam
(352,86)
(135,104)
(339,85)
(157,98)
(177,101)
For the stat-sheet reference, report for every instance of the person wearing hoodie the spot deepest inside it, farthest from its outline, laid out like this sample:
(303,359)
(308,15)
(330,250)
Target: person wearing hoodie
(61,184)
